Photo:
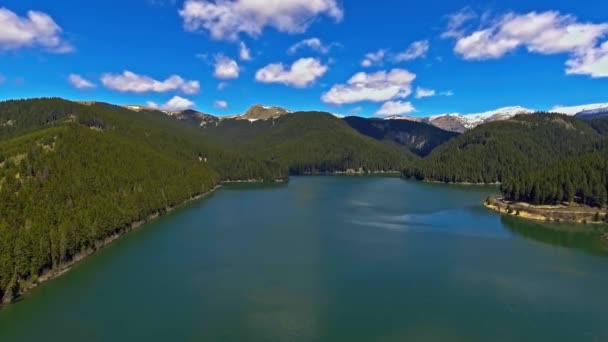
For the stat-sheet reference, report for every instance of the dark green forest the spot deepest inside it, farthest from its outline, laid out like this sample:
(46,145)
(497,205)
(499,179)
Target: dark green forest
(500,150)
(72,175)
(582,180)
(308,142)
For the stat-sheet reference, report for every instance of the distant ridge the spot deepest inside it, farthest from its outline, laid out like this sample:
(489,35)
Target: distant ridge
(453,122)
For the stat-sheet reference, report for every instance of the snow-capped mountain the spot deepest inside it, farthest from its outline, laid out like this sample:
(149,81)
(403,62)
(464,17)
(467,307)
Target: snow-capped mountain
(402,117)
(593,113)
(577,109)
(461,122)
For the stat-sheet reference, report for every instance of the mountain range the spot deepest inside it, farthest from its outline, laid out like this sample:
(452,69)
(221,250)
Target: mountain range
(460,123)
(453,122)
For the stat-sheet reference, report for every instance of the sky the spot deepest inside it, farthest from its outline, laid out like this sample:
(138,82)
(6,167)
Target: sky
(349,57)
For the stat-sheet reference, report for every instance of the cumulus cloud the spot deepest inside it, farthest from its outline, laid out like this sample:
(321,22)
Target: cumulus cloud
(226,68)
(375,87)
(302,73)
(134,83)
(373,58)
(545,33)
(395,108)
(176,103)
(37,29)
(227,19)
(422,93)
(415,50)
(244,52)
(220,104)
(592,62)
(80,82)
(314,44)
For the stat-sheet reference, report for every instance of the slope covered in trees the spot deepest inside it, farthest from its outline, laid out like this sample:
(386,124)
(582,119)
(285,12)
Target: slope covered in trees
(72,175)
(496,151)
(419,138)
(307,142)
(582,179)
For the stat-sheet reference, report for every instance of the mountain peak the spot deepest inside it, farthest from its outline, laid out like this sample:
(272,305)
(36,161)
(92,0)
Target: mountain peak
(263,112)
(402,117)
(461,122)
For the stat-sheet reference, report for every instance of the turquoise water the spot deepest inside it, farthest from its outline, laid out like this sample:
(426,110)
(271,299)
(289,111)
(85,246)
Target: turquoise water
(330,259)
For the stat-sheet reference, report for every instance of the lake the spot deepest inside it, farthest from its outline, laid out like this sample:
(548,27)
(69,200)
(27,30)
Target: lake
(330,259)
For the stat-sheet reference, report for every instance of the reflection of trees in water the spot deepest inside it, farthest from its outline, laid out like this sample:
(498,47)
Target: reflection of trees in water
(584,237)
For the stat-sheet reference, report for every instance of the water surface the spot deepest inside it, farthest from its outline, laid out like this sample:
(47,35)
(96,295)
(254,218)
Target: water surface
(330,259)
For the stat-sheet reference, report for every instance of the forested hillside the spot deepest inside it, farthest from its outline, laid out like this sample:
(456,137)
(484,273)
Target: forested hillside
(496,151)
(307,142)
(72,175)
(582,179)
(418,137)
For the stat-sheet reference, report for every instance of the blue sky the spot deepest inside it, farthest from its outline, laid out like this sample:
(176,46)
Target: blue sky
(354,57)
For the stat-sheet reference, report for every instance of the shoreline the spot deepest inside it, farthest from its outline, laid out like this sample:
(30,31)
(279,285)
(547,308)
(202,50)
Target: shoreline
(48,275)
(460,183)
(349,173)
(27,285)
(548,213)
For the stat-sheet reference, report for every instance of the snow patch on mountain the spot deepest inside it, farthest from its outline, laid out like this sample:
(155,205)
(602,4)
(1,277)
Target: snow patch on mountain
(402,117)
(471,120)
(573,110)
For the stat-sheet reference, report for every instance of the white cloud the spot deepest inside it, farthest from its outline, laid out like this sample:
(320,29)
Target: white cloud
(175,104)
(373,58)
(80,82)
(422,93)
(301,73)
(220,104)
(593,62)
(134,83)
(545,33)
(244,52)
(226,68)
(376,87)
(38,29)
(415,50)
(227,19)
(447,93)
(314,44)
(457,22)
(395,108)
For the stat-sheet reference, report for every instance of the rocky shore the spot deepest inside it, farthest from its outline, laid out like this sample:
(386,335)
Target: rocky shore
(574,213)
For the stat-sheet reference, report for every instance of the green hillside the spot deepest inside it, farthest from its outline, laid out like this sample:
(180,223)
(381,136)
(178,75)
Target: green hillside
(72,175)
(307,142)
(500,150)
(581,179)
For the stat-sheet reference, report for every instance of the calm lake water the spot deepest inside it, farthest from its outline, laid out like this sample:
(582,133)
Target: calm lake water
(330,259)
